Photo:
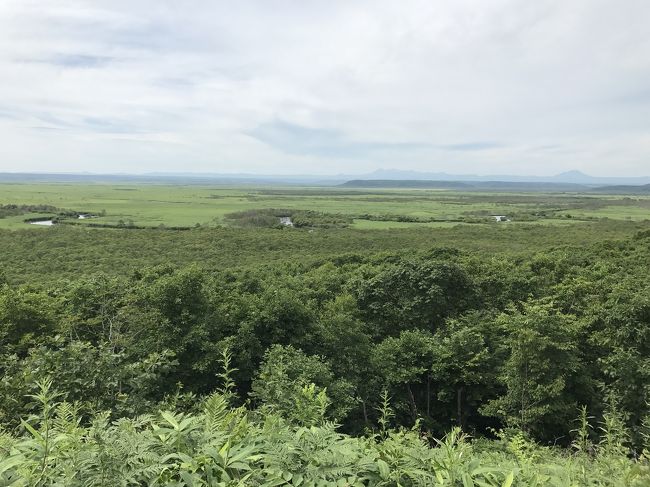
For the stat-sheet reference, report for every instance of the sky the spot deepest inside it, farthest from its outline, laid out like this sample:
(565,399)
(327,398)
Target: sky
(325,87)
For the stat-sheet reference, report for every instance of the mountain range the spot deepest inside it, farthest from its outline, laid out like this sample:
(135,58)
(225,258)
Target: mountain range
(569,177)
(568,180)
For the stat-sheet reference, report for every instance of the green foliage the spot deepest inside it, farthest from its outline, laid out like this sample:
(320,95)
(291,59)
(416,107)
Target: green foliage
(403,361)
(294,386)
(26,318)
(226,375)
(13,209)
(543,363)
(386,414)
(338,356)
(583,433)
(225,446)
(93,377)
(409,294)
(450,345)
(270,218)
(48,255)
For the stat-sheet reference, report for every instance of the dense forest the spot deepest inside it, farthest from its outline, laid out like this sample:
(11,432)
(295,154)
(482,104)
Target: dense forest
(64,252)
(435,365)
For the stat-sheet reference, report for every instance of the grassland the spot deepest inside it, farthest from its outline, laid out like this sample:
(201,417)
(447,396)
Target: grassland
(185,206)
(407,221)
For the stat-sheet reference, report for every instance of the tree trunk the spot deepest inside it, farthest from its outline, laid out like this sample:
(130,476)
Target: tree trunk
(414,409)
(365,412)
(459,406)
(428,396)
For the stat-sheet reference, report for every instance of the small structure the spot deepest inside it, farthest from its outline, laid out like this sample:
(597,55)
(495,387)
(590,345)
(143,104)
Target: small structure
(286,221)
(500,218)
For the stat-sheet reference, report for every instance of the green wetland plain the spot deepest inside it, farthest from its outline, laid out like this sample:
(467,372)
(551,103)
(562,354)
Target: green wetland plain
(185,206)
(204,335)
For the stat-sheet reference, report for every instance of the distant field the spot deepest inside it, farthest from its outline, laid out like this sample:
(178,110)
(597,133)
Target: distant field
(364,222)
(185,206)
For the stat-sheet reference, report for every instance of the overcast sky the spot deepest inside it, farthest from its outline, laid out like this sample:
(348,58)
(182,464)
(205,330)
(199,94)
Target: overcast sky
(324,87)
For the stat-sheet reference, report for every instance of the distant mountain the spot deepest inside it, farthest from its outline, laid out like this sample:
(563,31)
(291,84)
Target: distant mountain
(169,178)
(569,177)
(405,183)
(398,174)
(575,177)
(466,185)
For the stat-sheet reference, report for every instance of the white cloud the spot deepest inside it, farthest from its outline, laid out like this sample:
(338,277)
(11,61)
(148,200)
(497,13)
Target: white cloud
(460,86)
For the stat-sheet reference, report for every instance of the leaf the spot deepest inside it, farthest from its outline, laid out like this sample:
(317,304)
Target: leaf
(223,451)
(170,419)
(467,480)
(31,429)
(187,478)
(11,462)
(384,469)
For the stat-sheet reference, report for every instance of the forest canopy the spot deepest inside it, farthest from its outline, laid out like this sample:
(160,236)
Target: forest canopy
(512,349)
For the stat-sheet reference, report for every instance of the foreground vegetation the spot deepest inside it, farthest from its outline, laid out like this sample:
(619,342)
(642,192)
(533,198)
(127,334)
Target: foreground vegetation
(478,354)
(227,446)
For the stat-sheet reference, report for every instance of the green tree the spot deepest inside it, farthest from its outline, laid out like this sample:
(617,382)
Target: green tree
(542,371)
(621,334)
(467,354)
(413,294)
(404,363)
(288,378)
(94,377)
(26,318)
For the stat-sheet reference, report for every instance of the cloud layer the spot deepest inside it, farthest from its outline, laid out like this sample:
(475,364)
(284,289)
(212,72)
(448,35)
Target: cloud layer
(278,86)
